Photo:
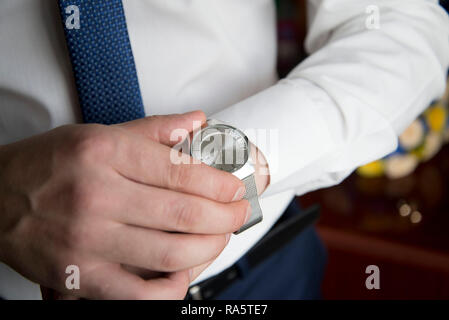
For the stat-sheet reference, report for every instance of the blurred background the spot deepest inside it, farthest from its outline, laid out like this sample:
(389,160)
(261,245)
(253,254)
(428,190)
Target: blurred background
(393,213)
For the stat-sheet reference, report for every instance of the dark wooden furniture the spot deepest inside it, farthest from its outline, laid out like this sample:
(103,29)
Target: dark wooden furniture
(402,226)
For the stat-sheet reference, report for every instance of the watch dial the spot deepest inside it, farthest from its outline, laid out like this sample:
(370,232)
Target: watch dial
(222,147)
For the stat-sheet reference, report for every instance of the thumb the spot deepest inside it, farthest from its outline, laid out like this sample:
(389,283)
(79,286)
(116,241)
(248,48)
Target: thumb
(162,128)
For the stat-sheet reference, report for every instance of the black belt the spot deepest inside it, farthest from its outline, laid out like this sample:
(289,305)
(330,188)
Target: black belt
(285,230)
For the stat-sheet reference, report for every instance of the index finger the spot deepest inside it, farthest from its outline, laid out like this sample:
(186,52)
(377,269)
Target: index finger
(148,162)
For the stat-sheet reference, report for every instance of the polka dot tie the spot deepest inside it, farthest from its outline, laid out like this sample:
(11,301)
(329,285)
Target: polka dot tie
(102,60)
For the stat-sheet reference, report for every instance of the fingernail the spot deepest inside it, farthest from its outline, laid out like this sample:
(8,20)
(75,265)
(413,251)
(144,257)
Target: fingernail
(190,274)
(248,214)
(239,194)
(228,237)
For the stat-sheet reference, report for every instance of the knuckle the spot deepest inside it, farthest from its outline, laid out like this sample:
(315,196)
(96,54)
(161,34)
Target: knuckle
(169,260)
(185,215)
(91,144)
(179,176)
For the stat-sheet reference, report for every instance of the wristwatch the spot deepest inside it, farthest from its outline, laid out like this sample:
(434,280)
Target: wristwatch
(226,148)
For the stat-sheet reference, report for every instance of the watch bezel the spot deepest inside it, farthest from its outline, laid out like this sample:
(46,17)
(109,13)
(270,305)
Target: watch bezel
(196,153)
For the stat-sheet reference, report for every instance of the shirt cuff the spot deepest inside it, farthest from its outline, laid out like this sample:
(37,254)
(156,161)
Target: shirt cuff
(286,123)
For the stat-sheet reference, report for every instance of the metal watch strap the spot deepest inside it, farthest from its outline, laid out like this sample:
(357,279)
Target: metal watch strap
(252,197)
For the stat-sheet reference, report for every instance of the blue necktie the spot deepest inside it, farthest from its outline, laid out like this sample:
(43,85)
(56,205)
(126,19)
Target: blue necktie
(102,60)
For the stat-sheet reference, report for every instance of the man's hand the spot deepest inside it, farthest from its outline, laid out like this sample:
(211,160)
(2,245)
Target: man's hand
(262,171)
(105,197)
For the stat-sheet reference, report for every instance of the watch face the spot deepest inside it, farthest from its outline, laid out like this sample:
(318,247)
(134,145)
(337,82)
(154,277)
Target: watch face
(221,146)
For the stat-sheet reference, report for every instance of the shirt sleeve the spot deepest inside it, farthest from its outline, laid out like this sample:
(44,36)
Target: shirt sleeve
(346,104)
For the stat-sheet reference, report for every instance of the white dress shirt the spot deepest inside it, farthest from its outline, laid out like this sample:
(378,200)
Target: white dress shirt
(342,107)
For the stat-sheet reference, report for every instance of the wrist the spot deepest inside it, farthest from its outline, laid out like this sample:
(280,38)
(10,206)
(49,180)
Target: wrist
(262,171)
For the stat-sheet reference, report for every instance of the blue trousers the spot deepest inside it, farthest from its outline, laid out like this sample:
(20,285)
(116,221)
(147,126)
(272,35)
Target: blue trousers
(294,272)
